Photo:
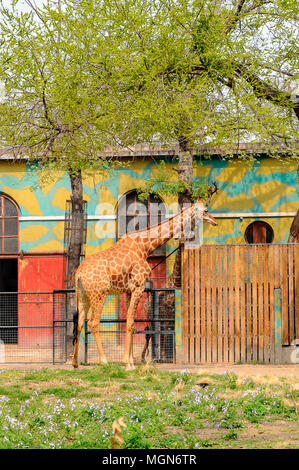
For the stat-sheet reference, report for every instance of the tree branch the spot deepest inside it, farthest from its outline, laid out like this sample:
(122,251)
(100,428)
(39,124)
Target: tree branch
(239,13)
(46,107)
(235,18)
(269,67)
(265,90)
(36,11)
(255,6)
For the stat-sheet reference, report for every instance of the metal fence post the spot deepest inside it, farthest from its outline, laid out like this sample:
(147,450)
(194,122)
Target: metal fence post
(86,342)
(53,329)
(156,325)
(65,324)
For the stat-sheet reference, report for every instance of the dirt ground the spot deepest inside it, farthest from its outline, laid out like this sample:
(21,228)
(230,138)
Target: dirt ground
(244,370)
(285,370)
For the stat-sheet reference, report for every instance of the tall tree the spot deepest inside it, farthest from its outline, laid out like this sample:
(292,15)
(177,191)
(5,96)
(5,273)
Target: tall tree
(60,103)
(189,72)
(213,73)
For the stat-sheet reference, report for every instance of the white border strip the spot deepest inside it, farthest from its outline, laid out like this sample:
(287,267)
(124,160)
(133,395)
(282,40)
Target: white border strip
(33,218)
(220,215)
(233,215)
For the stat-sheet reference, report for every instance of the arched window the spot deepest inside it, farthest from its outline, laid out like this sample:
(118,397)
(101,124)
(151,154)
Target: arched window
(134,214)
(259,232)
(9,226)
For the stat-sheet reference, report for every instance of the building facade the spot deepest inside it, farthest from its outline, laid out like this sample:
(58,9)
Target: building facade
(256,203)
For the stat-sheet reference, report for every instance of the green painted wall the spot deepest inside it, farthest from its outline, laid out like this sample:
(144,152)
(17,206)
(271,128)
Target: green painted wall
(267,185)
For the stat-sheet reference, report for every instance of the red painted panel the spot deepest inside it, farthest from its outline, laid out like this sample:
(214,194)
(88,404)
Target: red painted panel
(41,273)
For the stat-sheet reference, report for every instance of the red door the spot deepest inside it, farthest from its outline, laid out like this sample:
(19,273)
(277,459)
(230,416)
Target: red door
(38,274)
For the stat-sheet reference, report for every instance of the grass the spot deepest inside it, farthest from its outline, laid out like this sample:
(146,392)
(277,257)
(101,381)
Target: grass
(56,408)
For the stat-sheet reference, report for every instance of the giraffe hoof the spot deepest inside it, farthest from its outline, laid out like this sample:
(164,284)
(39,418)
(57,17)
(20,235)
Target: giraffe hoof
(130,366)
(75,365)
(103,361)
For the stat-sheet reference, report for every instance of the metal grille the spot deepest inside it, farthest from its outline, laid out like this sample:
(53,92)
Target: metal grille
(68,232)
(68,226)
(37,327)
(154,332)
(26,326)
(64,308)
(153,328)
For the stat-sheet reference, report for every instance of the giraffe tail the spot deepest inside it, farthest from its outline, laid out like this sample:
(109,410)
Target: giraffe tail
(146,346)
(75,326)
(78,289)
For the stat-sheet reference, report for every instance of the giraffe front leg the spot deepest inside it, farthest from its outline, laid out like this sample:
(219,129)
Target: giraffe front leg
(128,356)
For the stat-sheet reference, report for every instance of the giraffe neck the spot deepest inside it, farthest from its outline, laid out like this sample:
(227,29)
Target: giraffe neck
(157,235)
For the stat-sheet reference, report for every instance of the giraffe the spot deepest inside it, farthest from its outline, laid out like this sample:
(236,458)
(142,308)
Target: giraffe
(166,305)
(124,268)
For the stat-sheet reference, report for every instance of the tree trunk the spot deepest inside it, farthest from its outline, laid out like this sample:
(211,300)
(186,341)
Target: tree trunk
(77,227)
(185,173)
(185,170)
(74,249)
(294,230)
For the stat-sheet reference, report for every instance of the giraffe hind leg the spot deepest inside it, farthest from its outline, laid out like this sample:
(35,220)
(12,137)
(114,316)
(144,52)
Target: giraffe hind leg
(97,305)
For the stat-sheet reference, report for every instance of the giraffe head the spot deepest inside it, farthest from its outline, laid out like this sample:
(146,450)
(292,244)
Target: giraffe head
(201,211)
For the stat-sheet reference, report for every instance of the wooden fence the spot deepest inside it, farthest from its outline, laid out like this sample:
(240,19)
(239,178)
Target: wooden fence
(238,300)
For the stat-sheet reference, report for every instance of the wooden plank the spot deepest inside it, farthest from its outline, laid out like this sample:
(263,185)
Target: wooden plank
(191,256)
(242,306)
(278,270)
(271,270)
(208,305)
(284,294)
(277,285)
(231,295)
(225,304)
(291,289)
(237,281)
(248,253)
(185,305)
(202,306)
(296,265)
(260,290)
(220,304)
(214,267)
(278,325)
(254,302)
(197,305)
(266,305)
